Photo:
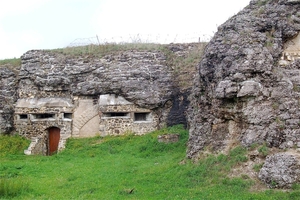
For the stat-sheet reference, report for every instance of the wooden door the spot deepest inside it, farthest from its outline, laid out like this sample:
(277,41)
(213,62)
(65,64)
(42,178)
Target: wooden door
(53,140)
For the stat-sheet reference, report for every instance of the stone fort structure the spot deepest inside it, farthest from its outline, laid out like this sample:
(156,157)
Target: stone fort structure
(52,120)
(54,96)
(246,91)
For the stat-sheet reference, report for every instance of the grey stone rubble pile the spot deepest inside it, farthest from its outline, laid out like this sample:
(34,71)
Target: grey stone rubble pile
(241,91)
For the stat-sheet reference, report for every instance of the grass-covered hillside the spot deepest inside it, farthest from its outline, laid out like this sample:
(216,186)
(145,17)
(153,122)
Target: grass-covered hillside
(125,167)
(13,62)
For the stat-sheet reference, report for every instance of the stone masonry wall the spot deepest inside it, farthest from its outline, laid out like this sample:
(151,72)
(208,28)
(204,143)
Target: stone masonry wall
(116,125)
(32,127)
(34,117)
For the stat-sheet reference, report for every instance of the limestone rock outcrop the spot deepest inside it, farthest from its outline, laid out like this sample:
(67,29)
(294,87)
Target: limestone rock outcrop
(141,77)
(247,85)
(148,79)
(8,96)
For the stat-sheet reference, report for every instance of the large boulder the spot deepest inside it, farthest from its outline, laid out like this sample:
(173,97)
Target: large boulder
(281,170)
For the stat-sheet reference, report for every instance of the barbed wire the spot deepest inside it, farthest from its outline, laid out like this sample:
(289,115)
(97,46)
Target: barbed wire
(161,39)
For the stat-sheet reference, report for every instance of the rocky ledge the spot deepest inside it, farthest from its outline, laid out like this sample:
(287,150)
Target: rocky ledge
(246,90)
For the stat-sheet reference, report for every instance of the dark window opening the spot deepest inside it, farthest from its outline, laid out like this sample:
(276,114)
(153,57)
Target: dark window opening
(141,116)
(67,115)
(116,114)
(23,116)
(44,116)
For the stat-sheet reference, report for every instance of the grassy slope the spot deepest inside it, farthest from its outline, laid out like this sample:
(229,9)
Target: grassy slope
(110,167)
(14,62)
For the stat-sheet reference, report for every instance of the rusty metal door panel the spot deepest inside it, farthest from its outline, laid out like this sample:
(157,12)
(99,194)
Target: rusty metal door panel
(53,140)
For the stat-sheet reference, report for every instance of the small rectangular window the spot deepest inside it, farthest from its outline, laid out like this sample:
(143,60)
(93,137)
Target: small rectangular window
(116,114)
(141,116)
(44,116)
(23,116)
(67,115)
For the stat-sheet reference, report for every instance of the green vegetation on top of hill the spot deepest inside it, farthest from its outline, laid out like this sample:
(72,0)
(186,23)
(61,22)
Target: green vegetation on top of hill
(14,62)
(103,49)
(183,65)
(129,167)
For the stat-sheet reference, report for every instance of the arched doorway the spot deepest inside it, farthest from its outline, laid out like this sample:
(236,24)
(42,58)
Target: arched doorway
(53,140)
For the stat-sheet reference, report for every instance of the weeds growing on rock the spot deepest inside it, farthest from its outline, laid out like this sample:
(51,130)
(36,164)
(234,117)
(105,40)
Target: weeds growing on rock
(263,150)
(257,167)
(104,49)
(262,2)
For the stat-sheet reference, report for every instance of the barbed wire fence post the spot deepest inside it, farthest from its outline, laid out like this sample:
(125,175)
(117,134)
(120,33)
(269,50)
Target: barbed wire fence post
(98,40)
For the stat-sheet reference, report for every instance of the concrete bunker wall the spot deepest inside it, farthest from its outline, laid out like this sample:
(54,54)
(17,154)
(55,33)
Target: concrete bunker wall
(111,115)
(291,51)
(85,118)
(33,118)
(79,117)
(119,116)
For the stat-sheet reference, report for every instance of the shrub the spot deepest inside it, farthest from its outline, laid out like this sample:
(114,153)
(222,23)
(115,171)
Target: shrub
(10,145)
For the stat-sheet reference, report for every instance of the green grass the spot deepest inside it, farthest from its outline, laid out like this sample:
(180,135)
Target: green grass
(128,167)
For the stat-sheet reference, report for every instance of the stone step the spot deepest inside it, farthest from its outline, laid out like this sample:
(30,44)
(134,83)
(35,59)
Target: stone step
(34,141)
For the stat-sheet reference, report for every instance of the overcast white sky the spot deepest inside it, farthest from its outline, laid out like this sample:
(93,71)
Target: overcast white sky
(48,24)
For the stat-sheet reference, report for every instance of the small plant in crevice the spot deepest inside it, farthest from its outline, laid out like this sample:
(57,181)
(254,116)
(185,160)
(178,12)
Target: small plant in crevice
(257,167)
(253,146)
(273,184)
(280,123)
(275,105)
(263,150)
(269,44)
(296,88)
(262,2)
